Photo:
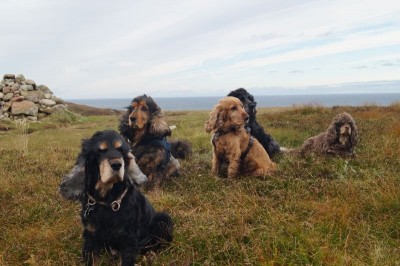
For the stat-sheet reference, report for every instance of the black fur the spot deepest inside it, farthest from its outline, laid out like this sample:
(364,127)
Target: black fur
(181,149)
(149,145)
(136,226)
(270,145)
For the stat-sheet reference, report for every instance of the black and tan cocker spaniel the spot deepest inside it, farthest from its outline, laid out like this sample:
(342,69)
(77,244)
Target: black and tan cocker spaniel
(145,128)
(270,145)
(115,215)
(339,139)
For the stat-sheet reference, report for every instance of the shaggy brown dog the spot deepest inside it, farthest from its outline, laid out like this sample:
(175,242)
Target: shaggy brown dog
(146,129)
(233,144)
(339,139)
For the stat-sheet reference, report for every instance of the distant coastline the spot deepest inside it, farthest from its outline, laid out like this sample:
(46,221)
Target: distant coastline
(206,103)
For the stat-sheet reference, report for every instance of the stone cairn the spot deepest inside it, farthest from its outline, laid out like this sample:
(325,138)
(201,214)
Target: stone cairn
(20,98)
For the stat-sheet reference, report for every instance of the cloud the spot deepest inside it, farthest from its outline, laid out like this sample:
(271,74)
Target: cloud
(90,48)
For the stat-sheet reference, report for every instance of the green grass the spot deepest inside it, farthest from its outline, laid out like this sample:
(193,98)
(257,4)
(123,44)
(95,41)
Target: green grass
(312,211)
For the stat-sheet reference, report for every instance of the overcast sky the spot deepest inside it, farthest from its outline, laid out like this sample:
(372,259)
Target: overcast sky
(119,49)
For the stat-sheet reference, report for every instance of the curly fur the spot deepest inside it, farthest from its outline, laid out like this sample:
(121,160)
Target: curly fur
(270,145)
(135,227)
(231,140)
(144,126)
(333,141)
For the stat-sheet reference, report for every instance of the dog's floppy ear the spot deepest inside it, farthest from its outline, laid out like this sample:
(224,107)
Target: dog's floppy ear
(72,186)
(124,127)
(158,125)
(216,120)
(332,133)
(354,133)
(135,176)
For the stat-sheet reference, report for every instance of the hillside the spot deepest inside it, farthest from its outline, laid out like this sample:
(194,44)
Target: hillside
(312,211)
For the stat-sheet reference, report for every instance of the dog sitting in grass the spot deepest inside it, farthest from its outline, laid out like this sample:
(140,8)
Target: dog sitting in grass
(115,215)
(339,139)
(256,130)
(233,144)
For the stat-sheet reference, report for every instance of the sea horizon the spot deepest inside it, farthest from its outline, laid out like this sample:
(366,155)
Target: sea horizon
(284,100)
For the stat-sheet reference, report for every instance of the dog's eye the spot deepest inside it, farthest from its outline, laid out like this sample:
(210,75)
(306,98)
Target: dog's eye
(234,108)
(144,109)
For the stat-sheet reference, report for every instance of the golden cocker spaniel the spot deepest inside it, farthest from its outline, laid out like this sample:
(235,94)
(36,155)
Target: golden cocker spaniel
(233,144)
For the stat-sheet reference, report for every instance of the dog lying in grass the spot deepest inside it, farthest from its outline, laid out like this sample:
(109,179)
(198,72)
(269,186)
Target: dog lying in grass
(115,215)
(339,139)
(233,144)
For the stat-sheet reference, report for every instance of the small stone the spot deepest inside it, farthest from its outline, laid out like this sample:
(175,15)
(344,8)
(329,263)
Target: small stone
(18,99)
(7,89)
(26,88)
(8,96)
(30,82)
(57,100)
(46,110)
(15,87)
(6,106)
(33,96)
(8,76)
(44,89)
(32,118)
(1,95)
(19,78)
(47,95)
(47,102)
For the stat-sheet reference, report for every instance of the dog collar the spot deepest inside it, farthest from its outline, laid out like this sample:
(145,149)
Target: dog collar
(115,205)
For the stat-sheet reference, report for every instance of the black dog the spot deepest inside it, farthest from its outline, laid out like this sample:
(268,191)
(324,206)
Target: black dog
(115,215)
(270,145)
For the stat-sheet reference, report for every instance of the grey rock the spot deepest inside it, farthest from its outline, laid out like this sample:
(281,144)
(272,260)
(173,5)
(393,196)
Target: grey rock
(26,88)
(1,87)
(19,78)
(8,76)
(46,110)
(32,118)
(44,89)
(59,108)
(30,82)
(7,89)
(24,107)
(47,102)
(15,87)
(1,95)
(6,106)
(8,96)
(18,99)
(57,100)
(47,95)
(33,96)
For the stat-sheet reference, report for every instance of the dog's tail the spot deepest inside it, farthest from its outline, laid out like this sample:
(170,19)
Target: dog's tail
(160,233)
(181,149)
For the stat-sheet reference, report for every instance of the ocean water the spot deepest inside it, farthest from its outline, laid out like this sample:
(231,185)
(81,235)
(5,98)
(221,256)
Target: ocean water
(206,103)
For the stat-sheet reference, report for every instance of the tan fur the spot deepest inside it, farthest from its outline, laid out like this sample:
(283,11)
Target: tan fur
(339,139)
(229,117)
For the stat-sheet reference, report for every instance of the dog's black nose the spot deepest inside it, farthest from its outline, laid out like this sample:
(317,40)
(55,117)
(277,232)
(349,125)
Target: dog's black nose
(116,166)
(133,119)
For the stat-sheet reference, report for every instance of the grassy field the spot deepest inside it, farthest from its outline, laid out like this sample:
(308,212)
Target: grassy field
(312,211)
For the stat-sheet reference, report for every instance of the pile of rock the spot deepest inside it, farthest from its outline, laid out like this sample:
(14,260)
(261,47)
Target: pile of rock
(20,98)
